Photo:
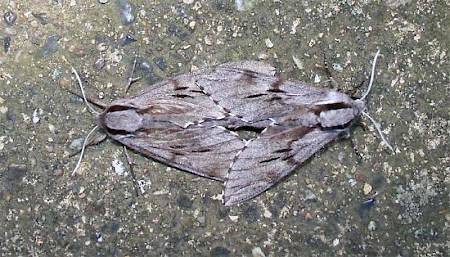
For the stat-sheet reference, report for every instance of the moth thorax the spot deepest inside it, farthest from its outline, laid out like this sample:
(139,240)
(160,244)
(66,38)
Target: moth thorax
(337,117)
(124,120)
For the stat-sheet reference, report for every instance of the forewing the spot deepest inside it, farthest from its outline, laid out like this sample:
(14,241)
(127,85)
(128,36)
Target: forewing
(203,151)
(245,92)
(269,158)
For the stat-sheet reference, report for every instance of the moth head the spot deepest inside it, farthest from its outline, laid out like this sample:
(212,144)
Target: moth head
(341,114)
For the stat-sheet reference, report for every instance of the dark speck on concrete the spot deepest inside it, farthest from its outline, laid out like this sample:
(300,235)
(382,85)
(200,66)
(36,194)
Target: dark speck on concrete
(220,252)
(223,212)
(251,213)
(365,207)
(128,40)
(11,116)
(160,62)
(144,69)
(6,44)
(179,33)
(51,45)
(184,202)
(41,17)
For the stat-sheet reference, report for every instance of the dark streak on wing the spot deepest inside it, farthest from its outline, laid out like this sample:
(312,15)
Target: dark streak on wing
(282,150)
(249,77)
(275,86)
(269,160)
(256,95)
(182,96)
(176,85)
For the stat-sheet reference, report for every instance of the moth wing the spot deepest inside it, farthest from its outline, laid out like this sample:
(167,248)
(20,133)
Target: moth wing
(178,101)
(267,159)
(246,92)
(203,151)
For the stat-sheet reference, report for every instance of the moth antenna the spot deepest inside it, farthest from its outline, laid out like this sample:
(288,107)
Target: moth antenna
(372,75)
(82,150)
(377,127)
(82,91)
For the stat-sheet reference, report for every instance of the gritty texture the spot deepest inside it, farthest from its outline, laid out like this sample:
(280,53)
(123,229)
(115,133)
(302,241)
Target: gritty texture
(387,204)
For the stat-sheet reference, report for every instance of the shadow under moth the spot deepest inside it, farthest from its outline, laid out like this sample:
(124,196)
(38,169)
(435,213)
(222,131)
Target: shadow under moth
(193,122)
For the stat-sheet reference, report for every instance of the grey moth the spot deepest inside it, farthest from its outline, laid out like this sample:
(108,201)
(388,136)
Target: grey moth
(193,122)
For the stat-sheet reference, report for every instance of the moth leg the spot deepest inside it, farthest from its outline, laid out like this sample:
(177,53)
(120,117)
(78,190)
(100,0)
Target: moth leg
(348,135)
(92,100)
(327,70)
(132,79)
(93,141)
(352,91)
(131,163)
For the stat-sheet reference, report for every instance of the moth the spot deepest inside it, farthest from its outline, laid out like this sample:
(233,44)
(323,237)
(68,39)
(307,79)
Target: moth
(194,122)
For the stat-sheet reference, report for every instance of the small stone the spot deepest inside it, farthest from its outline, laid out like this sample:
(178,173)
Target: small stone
(102,47)
(234,218)
(336,242)
(372,225)
(298,62)
(7,197)
(34,24)
(257,252)
(268,42)
(10,18)
(3,110)
(337,67)
(188,1)
(316,78)
(58,173)
(201,219)
(367,189)
(49,148)
(64,83)
(352,182)
(2,101)
(208,40)
(192,25)
(76,143)
(99,64)
(160,62)
(119,168)
(36,117)
(263,56)
(127,11)
(40,242)
(103,1)
(447,216)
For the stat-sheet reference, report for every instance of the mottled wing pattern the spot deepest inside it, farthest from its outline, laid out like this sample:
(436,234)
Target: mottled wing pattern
(269,158)
(203,151)
(187,126)
(253,96)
